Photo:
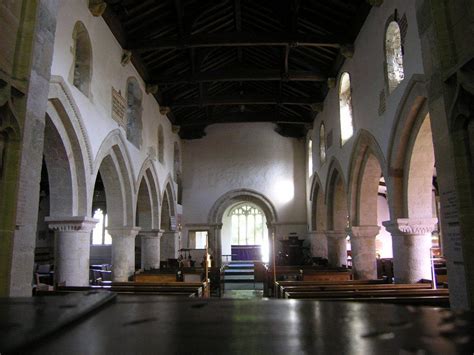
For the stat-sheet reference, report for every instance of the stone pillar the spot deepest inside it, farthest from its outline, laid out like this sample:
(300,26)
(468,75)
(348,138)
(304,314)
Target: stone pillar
(337,250)
(123,252)
(411,242)
(319,244)
(151,248)
(169,245)
(72,249)
(364,258)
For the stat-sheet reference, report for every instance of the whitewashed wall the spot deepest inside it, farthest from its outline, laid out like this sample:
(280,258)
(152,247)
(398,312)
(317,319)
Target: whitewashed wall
(367,80)
(245,156)
(107,72)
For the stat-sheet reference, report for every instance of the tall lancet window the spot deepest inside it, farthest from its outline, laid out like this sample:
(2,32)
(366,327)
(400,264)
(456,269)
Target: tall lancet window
(82,64)
(310,157)
(345,108)
(394,55)
(322,143)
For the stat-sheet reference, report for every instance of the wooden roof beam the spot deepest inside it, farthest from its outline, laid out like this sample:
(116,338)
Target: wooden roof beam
(238,117)
(236,39)
(242,75)
(246,100)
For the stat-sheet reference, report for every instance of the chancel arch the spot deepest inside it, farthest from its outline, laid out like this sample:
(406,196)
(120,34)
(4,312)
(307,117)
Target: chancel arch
(337,215)
(227,204)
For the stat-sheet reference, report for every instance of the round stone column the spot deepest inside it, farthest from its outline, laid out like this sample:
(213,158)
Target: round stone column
(319,244)
(123,252)
(364,258)
(169,245)
(151,249)
(411,242)
(337,249)
(72,238)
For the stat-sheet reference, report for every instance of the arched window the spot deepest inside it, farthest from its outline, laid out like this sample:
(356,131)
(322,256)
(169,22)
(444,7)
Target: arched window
(345,108)
(82,64)
(248,225)
(100,235)
(310,157)
(161,144)
(322,143)
(394,55)
(134,113)
(177,171)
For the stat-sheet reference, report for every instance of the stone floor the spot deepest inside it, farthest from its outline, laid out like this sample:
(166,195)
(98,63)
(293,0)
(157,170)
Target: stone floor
(243,291)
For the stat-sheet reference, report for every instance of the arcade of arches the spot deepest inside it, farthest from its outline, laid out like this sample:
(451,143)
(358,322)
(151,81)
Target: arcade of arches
(92,170)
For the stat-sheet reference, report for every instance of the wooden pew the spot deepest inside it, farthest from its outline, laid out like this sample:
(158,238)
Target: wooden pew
(352,287)
(300,273)
(172,288)
(280,285)
(439,297)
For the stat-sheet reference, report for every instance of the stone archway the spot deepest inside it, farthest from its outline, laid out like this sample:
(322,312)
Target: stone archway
(229,199)
(115,169)
(68,194)
(366,171)
(147,212)
(411,166)
(170,242)
(337,215)
(319,244)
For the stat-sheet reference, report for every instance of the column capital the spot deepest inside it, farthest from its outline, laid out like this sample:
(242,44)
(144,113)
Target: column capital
(151,233)
(123,231)
(336,234)
(411,226)
(364,231)
(71,223)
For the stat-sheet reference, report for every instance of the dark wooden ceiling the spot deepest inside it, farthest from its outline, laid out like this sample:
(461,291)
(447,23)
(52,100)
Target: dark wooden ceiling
(238,60)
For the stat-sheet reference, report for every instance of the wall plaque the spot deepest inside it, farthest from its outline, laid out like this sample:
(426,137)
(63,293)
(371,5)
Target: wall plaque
(119,105)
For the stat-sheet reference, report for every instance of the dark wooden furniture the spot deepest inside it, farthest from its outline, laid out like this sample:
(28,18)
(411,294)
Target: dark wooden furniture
(150,325)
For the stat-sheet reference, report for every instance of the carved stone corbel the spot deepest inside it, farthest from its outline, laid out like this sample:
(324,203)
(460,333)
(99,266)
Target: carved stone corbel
(97,7)
(126,57)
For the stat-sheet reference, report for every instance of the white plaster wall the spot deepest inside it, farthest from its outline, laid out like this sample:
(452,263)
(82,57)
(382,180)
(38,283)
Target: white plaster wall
(367,81)
(244,156)
(384,238)
(107,72)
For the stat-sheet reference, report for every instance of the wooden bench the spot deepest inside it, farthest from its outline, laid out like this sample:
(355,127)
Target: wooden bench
(172,288)
(439,297)
(351,287)
(300,273)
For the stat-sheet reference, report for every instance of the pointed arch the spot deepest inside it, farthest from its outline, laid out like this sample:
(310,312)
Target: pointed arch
(367,166)
(113,161)
(411,112)
(318,207)
(149,177)
(64,134)
(336,197)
